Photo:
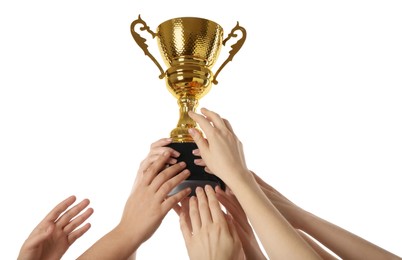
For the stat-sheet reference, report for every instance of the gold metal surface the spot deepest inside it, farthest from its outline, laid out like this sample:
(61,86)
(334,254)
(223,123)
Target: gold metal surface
(189,46)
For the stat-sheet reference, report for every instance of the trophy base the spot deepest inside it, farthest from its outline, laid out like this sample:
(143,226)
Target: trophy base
(198,176)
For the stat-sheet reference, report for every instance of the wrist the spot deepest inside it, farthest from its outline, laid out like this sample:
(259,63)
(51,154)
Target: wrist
(240,179)
(125,233)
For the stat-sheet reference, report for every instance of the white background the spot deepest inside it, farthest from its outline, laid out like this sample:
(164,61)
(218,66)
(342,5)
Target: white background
(314,94)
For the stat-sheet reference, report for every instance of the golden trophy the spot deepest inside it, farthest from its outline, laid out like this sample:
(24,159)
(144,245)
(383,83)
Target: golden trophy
(189,46)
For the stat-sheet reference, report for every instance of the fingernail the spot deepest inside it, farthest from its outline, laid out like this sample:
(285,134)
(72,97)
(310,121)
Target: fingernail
(172,161)
(182,163)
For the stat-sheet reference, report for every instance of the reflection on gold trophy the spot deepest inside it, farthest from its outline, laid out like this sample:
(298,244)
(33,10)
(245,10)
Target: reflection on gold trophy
(190,47)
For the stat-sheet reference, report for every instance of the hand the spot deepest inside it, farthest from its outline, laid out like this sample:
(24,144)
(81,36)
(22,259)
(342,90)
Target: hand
(222,151)
(146,206)
(208,234)
(249,242)
(149,203)
(157,149)
(57,231)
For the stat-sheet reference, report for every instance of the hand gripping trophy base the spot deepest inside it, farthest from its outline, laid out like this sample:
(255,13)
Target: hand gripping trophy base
(198,177)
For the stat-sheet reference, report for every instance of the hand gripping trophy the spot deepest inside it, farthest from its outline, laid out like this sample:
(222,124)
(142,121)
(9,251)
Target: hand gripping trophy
(190,47)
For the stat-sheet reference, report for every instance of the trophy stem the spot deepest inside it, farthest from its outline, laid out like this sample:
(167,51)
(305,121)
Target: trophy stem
(180,133)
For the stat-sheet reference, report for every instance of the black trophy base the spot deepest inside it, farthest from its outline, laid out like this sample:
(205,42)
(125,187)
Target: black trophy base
(198,176)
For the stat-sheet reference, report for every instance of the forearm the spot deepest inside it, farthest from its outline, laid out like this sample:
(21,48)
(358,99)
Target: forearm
(318,248)
(115,245)
(342,242)
(275,233)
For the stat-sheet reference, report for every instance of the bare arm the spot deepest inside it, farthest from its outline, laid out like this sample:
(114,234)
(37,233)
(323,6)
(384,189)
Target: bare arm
(340,241)
(321,251)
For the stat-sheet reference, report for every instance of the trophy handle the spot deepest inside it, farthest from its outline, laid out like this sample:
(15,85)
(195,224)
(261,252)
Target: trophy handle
(141,41)
(235,47)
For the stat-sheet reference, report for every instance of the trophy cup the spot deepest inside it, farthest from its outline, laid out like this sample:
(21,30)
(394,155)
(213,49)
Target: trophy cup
(189,46)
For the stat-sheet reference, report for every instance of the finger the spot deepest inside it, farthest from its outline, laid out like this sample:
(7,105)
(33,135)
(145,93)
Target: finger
(229,200)
(214,117)
(185,210)
(185,225)
(203,206)
(185,204)
(72,237)
(71,213)
(167,187)
(228,125)
(196,152)
(76,222)
(215,209)
(201,120)
(161,142)
(174,199)
(151,158)
(194,215)
(222,198)
(199,162)
(243,235)
(178,209)
(182,206)
(59,209)
(155,168)
(208,170)
(233,231)
(162,148)
(158,148)
(234,208)
(164,178)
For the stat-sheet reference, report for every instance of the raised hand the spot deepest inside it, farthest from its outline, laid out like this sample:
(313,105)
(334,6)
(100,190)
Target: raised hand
(207,232)
(223,151)
(158,148)
(57,231)
(145,208)
(148,203)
